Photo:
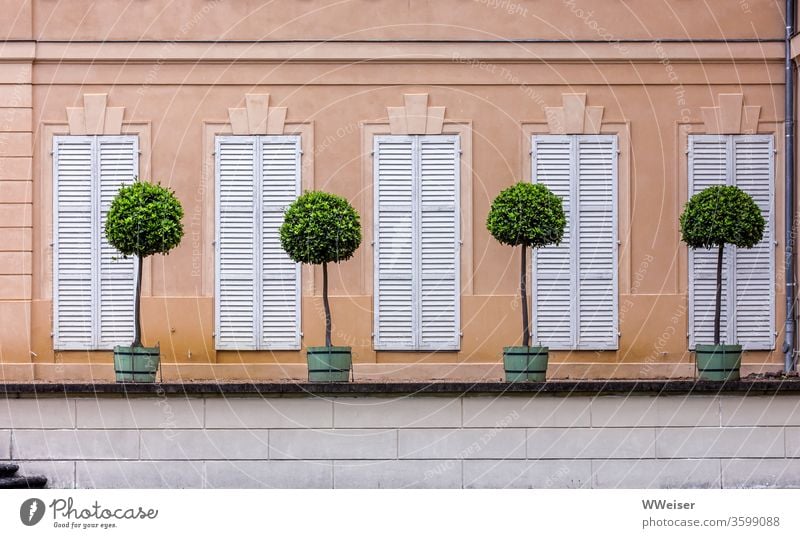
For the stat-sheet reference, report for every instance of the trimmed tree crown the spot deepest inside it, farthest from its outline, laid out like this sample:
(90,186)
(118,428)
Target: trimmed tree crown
(144,219)
(527,214)
(320,227)
(720,215)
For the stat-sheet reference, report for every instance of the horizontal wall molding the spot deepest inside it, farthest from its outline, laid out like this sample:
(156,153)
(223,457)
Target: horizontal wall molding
(391,52)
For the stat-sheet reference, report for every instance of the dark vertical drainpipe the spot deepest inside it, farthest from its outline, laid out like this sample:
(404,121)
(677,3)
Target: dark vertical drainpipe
(789,330)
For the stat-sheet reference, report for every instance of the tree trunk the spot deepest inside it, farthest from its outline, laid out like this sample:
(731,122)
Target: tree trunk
(137,316)
(718,309)
(523,293)
(327,305)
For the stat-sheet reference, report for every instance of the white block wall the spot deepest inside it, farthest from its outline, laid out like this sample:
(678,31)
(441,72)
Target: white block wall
(518,441)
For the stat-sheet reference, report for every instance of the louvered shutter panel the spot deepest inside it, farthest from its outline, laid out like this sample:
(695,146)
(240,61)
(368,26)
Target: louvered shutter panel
(552,275)
(395,246)
(236,267)
(596,158)
(708,165)
(280,285)
(118,165)
(72,246)
(438,238)
(755,268)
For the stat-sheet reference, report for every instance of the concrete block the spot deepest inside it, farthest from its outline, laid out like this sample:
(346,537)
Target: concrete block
(462,444)
(33,413)
(333,444)
(526,412)
(499,474)
(60,474)
(395,474)
(720,443)
(647,474)
(651,411)
(139,474)
(75,444)
(139,413)
(5,444)
(760,410)
(260,412)
(403,412)
(792,442)
(761,473)
(586,443)
(204,444)
(269,474)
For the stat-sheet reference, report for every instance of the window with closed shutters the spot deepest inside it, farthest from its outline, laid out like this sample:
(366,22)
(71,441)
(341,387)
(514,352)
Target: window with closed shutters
(416,242)
(748,276)
(575,282)
(93,285)
(257,284)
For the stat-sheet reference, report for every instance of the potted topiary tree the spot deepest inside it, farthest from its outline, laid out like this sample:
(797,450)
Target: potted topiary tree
(528,215)
(320,228)
(144,219)
(712,218)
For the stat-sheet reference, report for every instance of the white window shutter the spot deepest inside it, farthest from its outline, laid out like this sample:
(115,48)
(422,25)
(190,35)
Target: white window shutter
(395,248)
(596,158)
(118,165)
(552,276)
(438,232)
(73,249)
(709,164)
(280,284)
(755,268)
(236,263)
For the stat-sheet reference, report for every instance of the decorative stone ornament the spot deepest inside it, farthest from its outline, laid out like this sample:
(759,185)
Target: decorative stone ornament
(731,116)
(95,117)
(573,116)
(415,117)
(257,118)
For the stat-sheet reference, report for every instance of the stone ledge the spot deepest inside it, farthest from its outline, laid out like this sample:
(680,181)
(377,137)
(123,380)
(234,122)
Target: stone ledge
(561,388)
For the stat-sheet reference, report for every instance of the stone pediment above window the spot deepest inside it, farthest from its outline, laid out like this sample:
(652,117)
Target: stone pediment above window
(95,117)
(731,115)
(573,116)
(257,117)
(415,117)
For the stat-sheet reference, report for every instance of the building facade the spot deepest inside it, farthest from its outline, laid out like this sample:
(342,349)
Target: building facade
(419,113)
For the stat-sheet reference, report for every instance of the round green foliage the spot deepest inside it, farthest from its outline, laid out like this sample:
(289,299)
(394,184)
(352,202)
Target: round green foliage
(721,214)
(320,227)
(144,219)
(527,214)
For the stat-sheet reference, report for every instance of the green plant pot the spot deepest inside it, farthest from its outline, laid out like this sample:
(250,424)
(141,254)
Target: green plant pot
(525,363)
(136,364)
(718,363)
(326,364)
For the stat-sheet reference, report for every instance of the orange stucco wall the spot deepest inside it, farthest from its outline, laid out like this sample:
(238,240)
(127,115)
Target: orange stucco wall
(495,91)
